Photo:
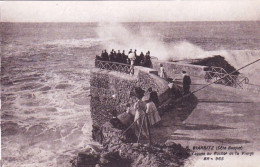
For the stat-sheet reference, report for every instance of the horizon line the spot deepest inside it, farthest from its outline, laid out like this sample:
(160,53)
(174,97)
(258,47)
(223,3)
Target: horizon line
(129,21)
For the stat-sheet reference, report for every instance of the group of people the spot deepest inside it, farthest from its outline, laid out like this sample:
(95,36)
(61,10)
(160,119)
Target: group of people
(145,110)
(131,58)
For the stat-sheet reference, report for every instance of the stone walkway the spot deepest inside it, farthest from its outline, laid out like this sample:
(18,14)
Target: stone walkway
(218,115)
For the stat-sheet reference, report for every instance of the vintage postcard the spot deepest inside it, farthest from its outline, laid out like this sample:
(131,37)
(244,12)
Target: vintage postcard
(130,83)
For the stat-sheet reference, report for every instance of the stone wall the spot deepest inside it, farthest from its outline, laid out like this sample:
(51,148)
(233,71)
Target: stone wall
(173,68)
(105,84)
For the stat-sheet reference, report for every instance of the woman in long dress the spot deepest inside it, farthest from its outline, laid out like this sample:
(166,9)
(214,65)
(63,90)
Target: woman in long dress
(162,72)
(140,109)
(152,112)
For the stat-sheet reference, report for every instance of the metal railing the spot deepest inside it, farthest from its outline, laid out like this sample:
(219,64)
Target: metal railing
(115,66)
(217,74)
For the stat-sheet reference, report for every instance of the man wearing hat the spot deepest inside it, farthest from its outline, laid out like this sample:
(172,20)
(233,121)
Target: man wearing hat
(119,57)
(154,96)
(186,82)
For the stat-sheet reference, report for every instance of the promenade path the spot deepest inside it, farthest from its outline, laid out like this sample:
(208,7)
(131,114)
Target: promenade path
(222,116)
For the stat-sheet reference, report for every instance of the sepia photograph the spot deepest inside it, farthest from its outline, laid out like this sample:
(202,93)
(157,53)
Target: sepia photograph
(130,83)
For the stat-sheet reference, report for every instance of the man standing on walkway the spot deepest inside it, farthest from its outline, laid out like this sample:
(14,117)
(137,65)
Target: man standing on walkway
(186,82)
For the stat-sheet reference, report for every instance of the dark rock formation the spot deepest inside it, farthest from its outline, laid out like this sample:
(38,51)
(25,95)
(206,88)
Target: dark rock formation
(118,153)
(217,61)
(97,134)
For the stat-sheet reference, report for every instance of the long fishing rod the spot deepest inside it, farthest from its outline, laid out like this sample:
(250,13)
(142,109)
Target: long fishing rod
(187,95)
(195,91)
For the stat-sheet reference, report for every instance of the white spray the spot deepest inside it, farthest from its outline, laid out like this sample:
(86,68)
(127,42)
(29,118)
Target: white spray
(117,36)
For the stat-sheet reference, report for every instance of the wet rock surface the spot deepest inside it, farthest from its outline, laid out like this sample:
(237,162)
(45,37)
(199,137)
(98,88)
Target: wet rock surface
(116,151)
(217,61)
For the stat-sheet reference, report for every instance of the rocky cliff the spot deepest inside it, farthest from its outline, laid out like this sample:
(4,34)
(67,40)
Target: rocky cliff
(118,151)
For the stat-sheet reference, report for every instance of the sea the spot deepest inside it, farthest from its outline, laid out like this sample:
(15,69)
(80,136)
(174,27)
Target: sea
(45,72)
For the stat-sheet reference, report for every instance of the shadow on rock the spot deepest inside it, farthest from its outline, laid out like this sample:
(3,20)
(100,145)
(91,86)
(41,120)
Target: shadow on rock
(172,117)
(201,127)
(179,108)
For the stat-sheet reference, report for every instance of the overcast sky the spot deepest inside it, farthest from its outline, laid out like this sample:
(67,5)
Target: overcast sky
(129,11)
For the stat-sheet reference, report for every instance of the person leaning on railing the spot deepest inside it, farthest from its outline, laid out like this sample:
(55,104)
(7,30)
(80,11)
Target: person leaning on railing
(147,60)
(114,56)
(141,59)
(119,57)
(98,58)
(136,61)
(111,55)
(104,56)
(124,57)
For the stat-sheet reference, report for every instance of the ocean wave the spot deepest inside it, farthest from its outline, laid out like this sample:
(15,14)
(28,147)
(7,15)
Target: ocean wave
(75,43)
(45,106)
(237,58)
(118,36)
(45,103)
